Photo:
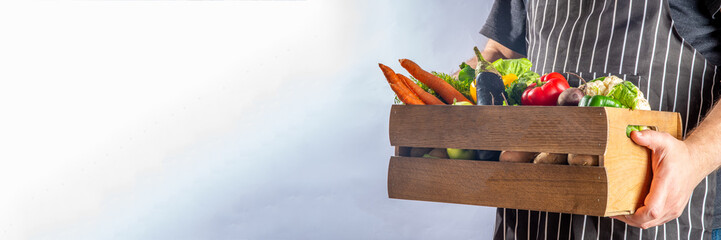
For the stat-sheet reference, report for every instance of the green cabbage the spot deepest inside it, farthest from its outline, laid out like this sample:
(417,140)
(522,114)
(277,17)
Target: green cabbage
(626,93)
(521,67)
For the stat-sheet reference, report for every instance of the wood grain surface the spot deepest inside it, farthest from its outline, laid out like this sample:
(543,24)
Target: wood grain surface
(628,166)
(517,128)
(618,186)
(543,187)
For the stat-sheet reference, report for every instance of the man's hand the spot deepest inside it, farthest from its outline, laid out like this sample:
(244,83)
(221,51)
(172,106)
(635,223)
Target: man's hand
(677,169)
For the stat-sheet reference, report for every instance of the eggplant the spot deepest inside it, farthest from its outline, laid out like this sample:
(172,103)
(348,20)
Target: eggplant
(489,91)
(486,155)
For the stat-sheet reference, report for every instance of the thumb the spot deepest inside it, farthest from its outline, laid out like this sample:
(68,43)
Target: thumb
(648,138)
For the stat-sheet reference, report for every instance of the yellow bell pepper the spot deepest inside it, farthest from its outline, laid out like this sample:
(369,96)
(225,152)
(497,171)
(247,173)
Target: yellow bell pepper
(472,92)
(509,78)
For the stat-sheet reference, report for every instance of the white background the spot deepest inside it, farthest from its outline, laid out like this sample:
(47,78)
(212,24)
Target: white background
(217,119)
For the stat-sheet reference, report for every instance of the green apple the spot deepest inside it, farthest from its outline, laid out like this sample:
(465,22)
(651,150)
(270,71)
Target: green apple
(463,103)
(455,153)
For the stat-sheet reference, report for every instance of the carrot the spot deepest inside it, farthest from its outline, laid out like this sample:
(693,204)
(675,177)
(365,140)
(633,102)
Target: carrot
(426,97)
(404,94)
(445,90)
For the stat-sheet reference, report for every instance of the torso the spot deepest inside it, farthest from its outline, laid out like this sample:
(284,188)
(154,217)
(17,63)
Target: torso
(635,40)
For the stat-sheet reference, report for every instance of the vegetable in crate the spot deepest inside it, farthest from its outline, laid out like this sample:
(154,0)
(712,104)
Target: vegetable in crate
(467,154)
(404,94)
(570,97)
(468,74)
(489,91)
(600,101)
(582,160)
(426,97)
(546,92)
(624,92)
(489,84)
(601,85)
(629,95)
(612,91)
(631,128)
(419,151)
(441,87)
(437,153)
(512,156)
(516,75)
(515,70)
(551,158)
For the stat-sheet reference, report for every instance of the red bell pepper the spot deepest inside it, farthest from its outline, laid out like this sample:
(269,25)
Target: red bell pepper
(546,93)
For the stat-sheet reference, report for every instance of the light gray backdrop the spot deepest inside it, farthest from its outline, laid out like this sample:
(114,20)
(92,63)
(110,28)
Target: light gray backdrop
(217,120)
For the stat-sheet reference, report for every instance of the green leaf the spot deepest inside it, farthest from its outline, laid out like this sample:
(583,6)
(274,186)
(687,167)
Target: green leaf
(625,93)
(598,79)
(516,66)
(467,73)
(528,77)
(515,91)
(462,86)
(463,65)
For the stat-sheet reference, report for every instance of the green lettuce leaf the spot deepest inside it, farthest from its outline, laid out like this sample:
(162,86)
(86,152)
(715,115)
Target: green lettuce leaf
(625,93)
(516,66)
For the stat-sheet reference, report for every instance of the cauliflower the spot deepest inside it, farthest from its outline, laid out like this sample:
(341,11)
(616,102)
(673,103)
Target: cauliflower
(641,103)
(628,93)
(594,88)
(601,86)
(610,82)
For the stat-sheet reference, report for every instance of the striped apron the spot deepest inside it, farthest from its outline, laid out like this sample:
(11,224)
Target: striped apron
(635,40)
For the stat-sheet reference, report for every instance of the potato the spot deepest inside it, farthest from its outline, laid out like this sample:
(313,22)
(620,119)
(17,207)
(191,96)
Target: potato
(582,160)
(511,156)
(551,158)
(419,151)
(438,153)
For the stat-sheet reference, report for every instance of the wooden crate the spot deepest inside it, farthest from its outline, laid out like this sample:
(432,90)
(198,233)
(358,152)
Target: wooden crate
(618,186)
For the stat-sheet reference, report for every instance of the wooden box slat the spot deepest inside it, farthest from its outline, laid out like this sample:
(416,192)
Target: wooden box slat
(526,128)
(509,185)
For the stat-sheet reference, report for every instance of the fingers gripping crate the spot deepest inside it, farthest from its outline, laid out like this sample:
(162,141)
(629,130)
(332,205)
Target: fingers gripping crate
(617,186)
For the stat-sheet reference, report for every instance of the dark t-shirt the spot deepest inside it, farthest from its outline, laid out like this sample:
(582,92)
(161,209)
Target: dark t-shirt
(698,22)
(506,24)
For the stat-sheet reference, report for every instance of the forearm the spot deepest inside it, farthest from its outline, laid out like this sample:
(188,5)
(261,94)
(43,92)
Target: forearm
(494,51)
(704,141)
